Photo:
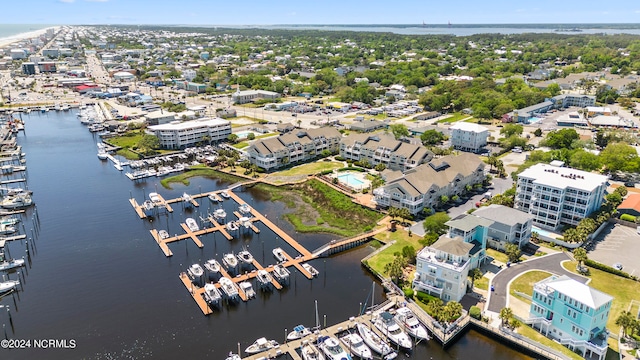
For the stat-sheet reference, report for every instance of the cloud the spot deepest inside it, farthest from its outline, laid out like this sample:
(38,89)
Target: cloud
(67,1)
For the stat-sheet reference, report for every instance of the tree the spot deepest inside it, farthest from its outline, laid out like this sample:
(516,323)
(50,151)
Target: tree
(538,132)
(380,167)
(444,199)
(409,253)
(513,252)
(584,160)
(399,130)
(561,139)
(148,143)
(435,308)
(580,254)
(233,138)
(619,157)
(251,136)
(505,315)
(514,323)
(475,274)
(452,311)
(625,320)
(395,269)
(436,223)
(393,212)
(511,129)
(572,236)
(404,213)
(432,137)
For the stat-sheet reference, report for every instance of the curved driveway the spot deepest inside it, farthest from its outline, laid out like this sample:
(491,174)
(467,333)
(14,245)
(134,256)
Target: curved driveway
(550,263)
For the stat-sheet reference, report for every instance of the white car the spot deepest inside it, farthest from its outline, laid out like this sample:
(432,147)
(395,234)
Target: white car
(617,266)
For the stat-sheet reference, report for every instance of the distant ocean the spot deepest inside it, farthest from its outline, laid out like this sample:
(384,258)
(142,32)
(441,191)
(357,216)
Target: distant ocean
(7,30)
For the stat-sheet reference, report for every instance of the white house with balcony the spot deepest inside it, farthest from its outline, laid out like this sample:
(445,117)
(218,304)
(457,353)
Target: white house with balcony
(180,135)
(443,267)
(423,186)
(510,226)
(384,149)
(468,136)
(556,195)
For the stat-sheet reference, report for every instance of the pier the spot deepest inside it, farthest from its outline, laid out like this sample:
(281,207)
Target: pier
(336,246)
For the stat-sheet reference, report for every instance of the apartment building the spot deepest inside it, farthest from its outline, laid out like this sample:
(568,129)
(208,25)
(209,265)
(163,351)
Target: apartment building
(579,100)
(423,186)
(180,135)
(246,96)
(571,313)
(468,136)
(384,149)
(293,147)
(510,226)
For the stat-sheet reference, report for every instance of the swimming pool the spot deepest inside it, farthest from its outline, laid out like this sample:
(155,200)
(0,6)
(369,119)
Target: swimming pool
(534,120)
(543,232)
(350,180)
(243,134)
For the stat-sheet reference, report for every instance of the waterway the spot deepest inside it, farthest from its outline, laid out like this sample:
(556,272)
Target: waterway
(98,278)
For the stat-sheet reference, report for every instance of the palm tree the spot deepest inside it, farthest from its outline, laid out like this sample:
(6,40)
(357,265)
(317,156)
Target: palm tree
(625,320)
(580,254)
(452,310)
(514,323)
(393,212)
(435,308)
(474,274)
(493,158)
(505,315)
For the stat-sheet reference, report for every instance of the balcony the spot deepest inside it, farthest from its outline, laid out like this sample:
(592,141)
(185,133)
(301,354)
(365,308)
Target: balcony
(428,287)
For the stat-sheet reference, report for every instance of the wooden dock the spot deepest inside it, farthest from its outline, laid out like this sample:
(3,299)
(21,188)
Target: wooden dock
(253,219)
(138,208)
(196,292)
(13,181)
(274,282)
(296,262)
(341,245)
(221,227)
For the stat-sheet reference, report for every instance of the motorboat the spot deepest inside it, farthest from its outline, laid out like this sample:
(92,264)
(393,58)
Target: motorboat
(225,194)
(230,260)
(310,269)
(6,229)
(192,224)
(9,220)
(356,346)
(8,285)
(187,200)
(298,332)
(387,326)
(213,197)
(212,266)
(195,271)
(219,213)
(244,208)
(279,255)
(245,221)
(11,264)
(17,202)
(148,206)
(233,356)
(178,167)
(248,289)
(261,345)
(280,272)
(211,293)
(232,226)
(407,320)
(102,151)
(245,257)
(228,287)
(264,278)
(333,350)
(374,342)
(155,197)
(163,234)
(310,352)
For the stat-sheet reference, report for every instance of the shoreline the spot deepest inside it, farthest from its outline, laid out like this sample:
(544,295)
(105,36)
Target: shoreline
(8,40)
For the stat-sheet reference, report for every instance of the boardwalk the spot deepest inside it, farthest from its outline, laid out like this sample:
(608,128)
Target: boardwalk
(339,245)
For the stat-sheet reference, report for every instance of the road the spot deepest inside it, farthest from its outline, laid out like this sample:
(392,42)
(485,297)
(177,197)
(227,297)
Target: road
(551,263)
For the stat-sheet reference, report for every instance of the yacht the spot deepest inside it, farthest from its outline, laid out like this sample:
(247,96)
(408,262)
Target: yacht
(407,320)
(280,272)
(230,260)
(232,226)
(261,345)
(248,289)
(245,257)
(228,287)
(310,269)
(211,293)
(375,342)
(244,209)
(310,352)
(233,356)
(148,206)
(195,271)
(192,224)
(163,234)
(356,346)
(245,221)
(8,220)
(298,332)
(225,194)
(187,200)
(102,154)
(155,198)
(264,278)
(8,285)
(219,213)
(279,255)
(212,266)
(10,264)
(17,202)
(213,197)
(387,326)
(6,229)
(332,349)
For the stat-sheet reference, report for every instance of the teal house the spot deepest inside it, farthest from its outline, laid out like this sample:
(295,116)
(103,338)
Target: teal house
(571,313)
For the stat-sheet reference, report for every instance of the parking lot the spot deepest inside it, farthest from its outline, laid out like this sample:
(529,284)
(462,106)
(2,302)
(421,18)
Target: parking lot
(618,244)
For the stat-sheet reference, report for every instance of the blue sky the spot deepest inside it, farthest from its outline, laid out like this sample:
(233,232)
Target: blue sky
(265,12)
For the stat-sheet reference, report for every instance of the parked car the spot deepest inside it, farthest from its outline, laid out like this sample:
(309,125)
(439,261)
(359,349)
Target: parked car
(617,266)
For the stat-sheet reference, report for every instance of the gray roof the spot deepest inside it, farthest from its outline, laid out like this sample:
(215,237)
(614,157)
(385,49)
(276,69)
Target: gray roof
(455,246)
(468,223)
(503,214)
(577,290)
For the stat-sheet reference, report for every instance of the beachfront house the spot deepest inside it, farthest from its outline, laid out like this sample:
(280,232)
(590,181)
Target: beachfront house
(510,226)
(571,313)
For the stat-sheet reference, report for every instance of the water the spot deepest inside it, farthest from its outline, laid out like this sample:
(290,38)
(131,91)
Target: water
(243,134)
(7,30)
(97,276)
(350,179)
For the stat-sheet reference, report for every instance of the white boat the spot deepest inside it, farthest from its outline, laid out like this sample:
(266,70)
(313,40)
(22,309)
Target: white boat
(213,197)
(387,326)
(17,202)
(211,293)
(264,278)
(163,234)
(154,197)
(280,272)
(195,271)
(219,214)
(6,229)
(244,208)
(279,255)
(178,167)
(8,285)
(148,206)
(245,221)
(356,346)
(310,352)
(212,266)
(192,224)
(233,356)
(102,154)
(232,226)
(261,345)
(228,287)
(187,199)
(8,220)
(407,320)
(374,342)
(225,194)
(230,260)
(10,264)
(333,350)
(298,332)
(310,269)
(248,289)
(245,257)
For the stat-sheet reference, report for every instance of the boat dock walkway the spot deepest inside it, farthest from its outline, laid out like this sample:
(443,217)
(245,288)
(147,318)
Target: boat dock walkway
(340,245)
(196,292)
(12,181)
(220,227)
(253,227)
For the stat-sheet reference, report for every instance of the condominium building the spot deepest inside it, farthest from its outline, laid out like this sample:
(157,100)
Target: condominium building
(442,268)
(384,149)
(579,100)
(468,136)
(293,147)
(510,226)
(571,313)
(424,186)
(180,135)
(557,195)
(246,96)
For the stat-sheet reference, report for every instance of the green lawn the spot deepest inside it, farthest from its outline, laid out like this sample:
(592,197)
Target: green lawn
(129,140)
(381,116)
(199,170)
(454,117)
(482,283)
(497,255)
(386,256)
(241,145)
(524,283)
(310,168)
(527,331)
